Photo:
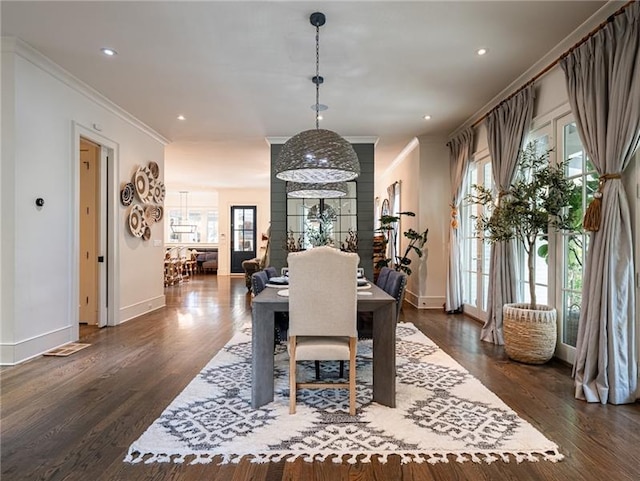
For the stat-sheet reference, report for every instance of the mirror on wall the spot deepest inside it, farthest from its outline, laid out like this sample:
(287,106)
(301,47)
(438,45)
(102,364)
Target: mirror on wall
(312,222)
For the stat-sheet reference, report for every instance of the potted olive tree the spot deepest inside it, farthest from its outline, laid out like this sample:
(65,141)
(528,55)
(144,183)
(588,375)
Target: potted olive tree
(539,199)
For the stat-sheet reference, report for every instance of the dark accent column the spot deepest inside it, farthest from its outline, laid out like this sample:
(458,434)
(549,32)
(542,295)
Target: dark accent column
(365,203)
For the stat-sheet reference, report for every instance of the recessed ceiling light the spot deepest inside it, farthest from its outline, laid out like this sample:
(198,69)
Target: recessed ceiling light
(481,51)
(427,117)
(108,51)
(181,117)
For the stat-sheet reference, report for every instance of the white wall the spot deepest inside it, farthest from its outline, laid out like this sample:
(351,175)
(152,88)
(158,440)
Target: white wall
(423,170)
(435,197)
(261,198)
(41,104)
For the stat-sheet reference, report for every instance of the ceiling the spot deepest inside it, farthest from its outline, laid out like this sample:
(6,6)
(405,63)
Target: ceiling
(241,71)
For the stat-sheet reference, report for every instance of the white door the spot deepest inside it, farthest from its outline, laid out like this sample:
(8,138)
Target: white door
(92,306)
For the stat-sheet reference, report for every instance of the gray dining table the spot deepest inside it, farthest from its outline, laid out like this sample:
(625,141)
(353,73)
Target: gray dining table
(381,304)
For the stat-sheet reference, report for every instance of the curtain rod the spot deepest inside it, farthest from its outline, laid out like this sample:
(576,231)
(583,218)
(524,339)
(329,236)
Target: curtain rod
(556,61)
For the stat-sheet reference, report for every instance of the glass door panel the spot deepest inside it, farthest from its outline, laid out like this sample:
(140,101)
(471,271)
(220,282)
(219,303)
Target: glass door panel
(475,252)
(573,248)
(243,236)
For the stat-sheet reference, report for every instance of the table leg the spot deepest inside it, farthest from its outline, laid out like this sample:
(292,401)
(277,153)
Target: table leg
(262,339)
(384,355)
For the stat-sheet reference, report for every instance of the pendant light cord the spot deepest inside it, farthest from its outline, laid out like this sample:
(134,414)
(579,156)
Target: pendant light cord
(317,78)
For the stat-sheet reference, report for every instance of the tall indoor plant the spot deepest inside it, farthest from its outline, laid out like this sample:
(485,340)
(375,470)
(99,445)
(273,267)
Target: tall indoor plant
(539,199)
(417,240)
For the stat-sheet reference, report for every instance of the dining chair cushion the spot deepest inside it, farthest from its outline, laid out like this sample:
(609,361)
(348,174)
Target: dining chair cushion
(322,348)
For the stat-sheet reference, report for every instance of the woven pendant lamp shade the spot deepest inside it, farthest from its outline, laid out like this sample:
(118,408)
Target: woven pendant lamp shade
(317,156)
(328,190)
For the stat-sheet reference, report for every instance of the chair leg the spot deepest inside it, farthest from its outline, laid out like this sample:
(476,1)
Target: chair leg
(352,376)
(292,375)
(341,369)
(317,370)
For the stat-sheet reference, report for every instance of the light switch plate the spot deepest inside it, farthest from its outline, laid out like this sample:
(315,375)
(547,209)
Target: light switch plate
(157,243)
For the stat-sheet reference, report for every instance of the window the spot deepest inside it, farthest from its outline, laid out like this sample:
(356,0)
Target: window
(544,244)
(205,221)
(475,252)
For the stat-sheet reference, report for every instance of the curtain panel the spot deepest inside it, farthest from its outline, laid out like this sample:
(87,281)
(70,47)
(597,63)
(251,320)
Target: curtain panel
(460,153)
(393,192)
(507,126)
(603,81)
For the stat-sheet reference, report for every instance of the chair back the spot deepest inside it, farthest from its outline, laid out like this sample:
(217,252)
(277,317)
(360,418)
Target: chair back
(395,286)
(271,272)
(259,281)
(323,292)
(382,276)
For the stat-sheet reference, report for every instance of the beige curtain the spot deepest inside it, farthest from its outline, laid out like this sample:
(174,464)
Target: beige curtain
(603,81)
(507,126)
(393,192)
(460,153)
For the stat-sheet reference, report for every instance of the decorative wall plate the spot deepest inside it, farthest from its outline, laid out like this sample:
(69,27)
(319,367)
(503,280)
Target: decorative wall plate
(136,220)
(146,233)
(159,213)
(152,214)
(155,170)
(144,182)
(149,214)
(159,192)
(127,193)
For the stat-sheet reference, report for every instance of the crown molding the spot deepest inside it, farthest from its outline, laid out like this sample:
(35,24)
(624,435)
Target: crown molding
(413,144)
(30,54)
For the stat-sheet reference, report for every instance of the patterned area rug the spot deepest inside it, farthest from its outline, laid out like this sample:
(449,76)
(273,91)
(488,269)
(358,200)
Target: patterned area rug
(442,413)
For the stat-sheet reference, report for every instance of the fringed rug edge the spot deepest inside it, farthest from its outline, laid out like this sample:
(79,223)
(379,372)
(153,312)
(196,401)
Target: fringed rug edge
(553,454)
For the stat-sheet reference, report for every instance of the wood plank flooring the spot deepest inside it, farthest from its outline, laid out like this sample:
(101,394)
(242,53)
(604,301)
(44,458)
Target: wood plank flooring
(73,418)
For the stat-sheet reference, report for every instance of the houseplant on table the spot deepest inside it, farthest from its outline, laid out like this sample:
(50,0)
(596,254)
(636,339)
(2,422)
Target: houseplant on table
(538,199)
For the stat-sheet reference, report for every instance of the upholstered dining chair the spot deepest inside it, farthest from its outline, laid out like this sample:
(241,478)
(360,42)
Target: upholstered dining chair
(382,276)
(271,272)
(393,283)
(322,315)
(395,287)
(259,281)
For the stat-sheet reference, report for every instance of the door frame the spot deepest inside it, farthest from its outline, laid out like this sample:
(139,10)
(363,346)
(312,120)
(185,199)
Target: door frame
(109,272)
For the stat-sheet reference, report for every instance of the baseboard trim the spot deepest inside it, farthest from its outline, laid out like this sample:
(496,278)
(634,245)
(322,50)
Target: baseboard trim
(139,308)
(424,302)
(21,351)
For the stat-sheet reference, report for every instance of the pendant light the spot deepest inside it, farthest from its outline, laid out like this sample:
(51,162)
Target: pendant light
(183,227)
(329,190)
(317,155)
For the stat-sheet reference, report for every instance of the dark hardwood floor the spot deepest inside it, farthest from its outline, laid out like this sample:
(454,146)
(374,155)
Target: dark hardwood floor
(74,418)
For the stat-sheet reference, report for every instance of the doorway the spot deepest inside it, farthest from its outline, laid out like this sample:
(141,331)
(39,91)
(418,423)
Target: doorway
(89,170)
(92,233)
(107,255)
(243,236)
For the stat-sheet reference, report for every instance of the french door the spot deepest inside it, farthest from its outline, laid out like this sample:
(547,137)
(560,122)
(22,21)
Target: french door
(243,236)
(572,248)
(476,253)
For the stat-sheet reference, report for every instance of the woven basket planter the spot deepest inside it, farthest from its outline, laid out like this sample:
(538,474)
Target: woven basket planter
(529,334)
